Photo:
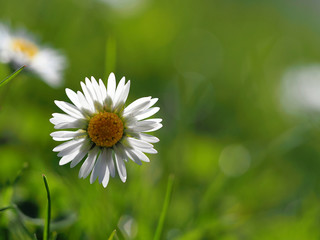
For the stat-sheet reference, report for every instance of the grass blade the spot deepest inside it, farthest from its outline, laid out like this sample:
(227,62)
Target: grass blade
(112,234)
(46,231)
(164,208)
(12,76)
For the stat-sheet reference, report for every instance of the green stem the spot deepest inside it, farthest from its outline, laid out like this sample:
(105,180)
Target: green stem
(112,234)
(10,77)
(46,231)
(164,208)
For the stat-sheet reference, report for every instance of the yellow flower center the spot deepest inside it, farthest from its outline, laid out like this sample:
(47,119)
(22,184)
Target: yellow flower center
(105,129)
(24,46)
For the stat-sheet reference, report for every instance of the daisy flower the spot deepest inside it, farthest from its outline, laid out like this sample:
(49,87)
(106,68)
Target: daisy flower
(106,133)
(299,89)
(18,48)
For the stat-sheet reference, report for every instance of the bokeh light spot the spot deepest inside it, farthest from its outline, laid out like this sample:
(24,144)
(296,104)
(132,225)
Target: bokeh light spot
(234,160)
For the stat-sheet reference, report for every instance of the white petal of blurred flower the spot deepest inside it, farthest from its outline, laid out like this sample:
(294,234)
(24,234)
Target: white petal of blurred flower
(127,7)
(18,48)
(300,90)
(106,132)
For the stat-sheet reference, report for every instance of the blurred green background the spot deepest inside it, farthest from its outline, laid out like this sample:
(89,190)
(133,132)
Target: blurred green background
(244,166)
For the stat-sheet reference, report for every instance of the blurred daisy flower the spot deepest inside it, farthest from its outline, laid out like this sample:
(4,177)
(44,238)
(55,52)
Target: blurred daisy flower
(300,89)
(107,132)
(18,48)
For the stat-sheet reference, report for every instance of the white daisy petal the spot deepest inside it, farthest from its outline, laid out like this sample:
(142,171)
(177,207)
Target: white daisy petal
(122,96)
(84,150)
(143,108)
(147,128)
(76,156)
(141,155)
(74,147)
(61,118)
(48,64)
(88,164)
(148,138)
(84,103)
(145,123)
(76,124)
(111,88)
(119,160)
(87,95)
(106,178)
(149,123)
(148,150)
(103,168)
(110,162)
(68,144)
(102,89)
(91,90)
(97,168)
(137,104)
(73,98)
(60,139)
(147,113)
(119,90)
(152,120)
(138,143)
(69,109)
(97,90)
(153,101)
(68,158)
(134,157)
(66,135)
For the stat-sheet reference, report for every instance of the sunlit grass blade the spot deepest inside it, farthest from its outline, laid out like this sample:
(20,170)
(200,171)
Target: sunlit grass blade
(163,214)
(12,76)
(111,55)
(46,231)
(112,234)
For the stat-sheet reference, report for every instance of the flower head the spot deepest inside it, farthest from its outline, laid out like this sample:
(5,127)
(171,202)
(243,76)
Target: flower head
(300,86)
(106,132)
(18,48)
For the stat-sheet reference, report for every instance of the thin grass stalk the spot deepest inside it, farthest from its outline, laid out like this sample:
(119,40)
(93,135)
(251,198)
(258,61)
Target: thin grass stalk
(46,231)
(164,211)
(10,77)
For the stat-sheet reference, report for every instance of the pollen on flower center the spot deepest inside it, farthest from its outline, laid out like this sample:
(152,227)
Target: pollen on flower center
(105,129)
(24,46)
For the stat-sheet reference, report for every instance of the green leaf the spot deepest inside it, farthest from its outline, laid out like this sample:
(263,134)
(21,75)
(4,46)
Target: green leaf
(112,234)
(163,214)
(12,76)
(46,231)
